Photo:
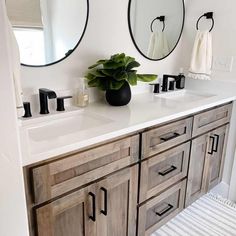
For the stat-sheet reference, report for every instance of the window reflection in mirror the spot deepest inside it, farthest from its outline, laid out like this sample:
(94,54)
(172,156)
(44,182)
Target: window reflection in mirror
(156,26)
(47,31)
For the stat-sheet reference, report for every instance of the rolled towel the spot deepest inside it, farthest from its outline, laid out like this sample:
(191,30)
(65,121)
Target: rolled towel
(201,62)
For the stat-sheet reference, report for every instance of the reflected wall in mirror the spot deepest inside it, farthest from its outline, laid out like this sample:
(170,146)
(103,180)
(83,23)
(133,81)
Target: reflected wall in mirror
(47,31)
(156,26)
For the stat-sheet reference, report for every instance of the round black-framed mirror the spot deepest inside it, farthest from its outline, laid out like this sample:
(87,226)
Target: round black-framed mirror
(156,26)
(47,31)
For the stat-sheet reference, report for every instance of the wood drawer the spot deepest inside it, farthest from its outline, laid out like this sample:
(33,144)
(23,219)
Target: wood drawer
(61,176)
(212,119)
(165,137)
(156,212)
(161,171)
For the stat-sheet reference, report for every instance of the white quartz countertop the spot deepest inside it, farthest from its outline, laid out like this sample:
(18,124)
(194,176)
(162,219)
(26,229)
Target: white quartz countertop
(100,122)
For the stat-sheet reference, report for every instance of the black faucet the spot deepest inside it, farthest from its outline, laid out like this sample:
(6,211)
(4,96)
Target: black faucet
(166,80)
(44,95)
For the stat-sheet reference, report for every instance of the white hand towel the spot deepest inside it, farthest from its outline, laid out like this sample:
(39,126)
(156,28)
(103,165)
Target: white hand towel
(166,48)
(152,45)
(158,45)
(201,62)
(15,65)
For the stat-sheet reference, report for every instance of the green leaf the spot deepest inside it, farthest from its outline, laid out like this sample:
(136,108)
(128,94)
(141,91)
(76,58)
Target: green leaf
(100,62)
(112,65)
(107,72)
(128,60)
(90,76)
(120,75)
(132,65)
(97,73)
(99,83)
(115,85)
(146,77)
(118,57)
(132,78)
(94,83)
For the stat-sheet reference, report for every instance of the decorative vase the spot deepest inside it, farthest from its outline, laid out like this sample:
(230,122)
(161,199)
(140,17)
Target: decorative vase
(120,97)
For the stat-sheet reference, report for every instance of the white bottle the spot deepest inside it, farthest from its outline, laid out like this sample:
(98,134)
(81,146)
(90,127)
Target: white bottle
(82,93)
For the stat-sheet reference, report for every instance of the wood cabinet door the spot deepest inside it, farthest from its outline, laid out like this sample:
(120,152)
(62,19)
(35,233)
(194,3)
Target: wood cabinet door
(218,156)
(198,169)
(61,176)
(72,215)
(117,203)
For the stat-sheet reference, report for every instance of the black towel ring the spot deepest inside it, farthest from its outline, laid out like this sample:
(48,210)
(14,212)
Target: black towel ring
(160,18)
(208,15)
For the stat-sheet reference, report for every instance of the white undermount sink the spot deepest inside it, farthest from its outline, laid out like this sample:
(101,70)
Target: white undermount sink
(54,127)
(185,95)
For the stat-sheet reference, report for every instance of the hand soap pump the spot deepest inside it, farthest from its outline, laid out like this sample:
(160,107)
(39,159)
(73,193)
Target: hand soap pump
(82,94)
(180,83)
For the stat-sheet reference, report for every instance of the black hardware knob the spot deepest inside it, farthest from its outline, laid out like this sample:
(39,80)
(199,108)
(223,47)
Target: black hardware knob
(156,88)
(60,103)
(27,110)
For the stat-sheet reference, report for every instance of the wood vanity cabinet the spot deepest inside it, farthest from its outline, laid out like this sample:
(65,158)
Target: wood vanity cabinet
(206,163)
(130,186)
(92,192)
(105,208)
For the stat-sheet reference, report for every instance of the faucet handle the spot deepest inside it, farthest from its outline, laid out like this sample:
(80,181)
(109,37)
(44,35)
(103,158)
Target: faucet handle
(172,85)
(156,87)
(60,103)
(27,110)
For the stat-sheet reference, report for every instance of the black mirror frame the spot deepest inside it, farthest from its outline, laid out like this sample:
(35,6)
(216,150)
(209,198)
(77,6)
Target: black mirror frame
(71,51)
(135,44)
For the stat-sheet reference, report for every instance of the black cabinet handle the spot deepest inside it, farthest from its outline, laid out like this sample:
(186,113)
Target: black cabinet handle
(104,212)
(166,172)
(175,135)
(165,210)
(212,145)
(93,217)
(217,142)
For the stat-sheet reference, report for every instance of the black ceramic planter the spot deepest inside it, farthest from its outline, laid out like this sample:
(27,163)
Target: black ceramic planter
(119,97)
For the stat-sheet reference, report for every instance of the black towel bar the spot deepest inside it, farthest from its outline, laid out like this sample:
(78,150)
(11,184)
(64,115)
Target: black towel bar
(160,18)
(208,15)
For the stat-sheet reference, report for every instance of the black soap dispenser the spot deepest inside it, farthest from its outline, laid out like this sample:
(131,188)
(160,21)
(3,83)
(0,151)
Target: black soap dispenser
(180,83)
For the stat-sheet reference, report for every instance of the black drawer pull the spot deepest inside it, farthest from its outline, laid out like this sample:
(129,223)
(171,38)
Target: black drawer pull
(212,145)
(175,135)
(93,217)
(165,210)
(169,170)
(217,143)
(104,212)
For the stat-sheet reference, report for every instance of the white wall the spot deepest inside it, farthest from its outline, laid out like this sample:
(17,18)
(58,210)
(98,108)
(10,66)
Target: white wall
(13,215)
(224,32)
(107,34)
(224,38)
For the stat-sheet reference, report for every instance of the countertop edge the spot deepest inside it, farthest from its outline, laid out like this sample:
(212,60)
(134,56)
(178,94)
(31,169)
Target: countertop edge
(34,159)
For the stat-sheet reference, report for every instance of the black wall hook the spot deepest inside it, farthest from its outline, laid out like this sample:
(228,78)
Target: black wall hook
(208,15)
(160,18)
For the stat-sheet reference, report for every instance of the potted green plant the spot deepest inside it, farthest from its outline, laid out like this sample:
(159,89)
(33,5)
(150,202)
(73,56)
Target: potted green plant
(115,75)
